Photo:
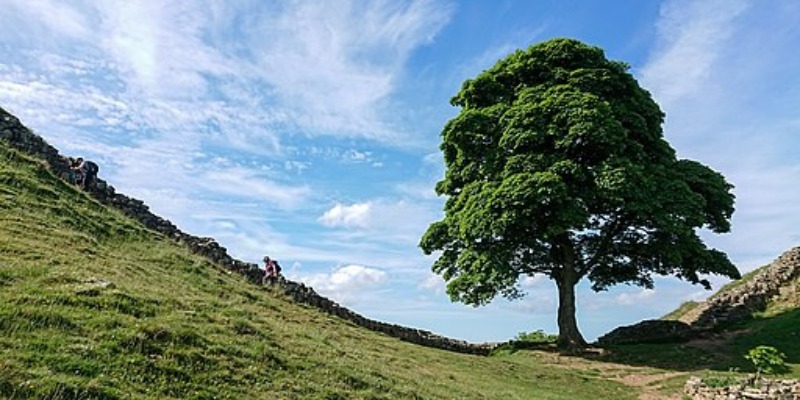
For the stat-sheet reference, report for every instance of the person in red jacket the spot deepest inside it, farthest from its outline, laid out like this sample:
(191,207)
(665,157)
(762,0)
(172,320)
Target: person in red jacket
(270,271)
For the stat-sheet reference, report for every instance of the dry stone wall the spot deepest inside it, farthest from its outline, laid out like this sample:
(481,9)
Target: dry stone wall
(649,331)
(740,302)
(734,305)
(21,138)
(745,389)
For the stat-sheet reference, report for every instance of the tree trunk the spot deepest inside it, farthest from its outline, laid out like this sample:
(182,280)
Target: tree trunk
(569,337)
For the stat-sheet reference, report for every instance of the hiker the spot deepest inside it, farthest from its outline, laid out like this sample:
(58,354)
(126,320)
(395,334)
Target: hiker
(78,169)
(269,271)
(84,173)
(90,178)
(71,175)
(272,271)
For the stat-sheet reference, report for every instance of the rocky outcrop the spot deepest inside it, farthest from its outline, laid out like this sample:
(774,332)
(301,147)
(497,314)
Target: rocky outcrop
(753,295)
(649,331)
(21,138)
(735,304)
(748,388)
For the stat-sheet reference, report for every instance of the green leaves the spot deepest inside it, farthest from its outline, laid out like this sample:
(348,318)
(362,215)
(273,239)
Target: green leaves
(557,163)
(766,359)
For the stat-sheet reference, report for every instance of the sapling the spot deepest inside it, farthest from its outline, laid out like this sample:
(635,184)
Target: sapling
(766,359)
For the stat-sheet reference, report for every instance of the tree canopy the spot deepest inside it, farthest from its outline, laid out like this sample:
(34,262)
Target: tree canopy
(557,165)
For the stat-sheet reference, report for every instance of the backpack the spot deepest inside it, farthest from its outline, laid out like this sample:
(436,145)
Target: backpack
(92,168)
(277,268)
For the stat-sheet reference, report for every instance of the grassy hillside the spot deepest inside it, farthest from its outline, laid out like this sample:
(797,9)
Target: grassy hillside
(93,306)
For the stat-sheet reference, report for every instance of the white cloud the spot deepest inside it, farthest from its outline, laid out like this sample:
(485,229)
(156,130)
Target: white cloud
(335,64)
(691,34)
(246,183)
(725,77)
(355,215)
(433,283)
(162,46)
(162,65)
(347,283)
(533,282)
(295,165)
(387,227)
(542,301)
(356,156)
(60,18)
(628,298)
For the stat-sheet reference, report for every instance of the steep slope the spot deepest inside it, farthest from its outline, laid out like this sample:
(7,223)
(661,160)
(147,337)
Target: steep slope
(751,301)
(93,305)
(22,138)
(772,288)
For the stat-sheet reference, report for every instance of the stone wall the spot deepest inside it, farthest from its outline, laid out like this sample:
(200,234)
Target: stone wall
(741,301)
(734,305)
(748,388)
(649,331)
(21,138)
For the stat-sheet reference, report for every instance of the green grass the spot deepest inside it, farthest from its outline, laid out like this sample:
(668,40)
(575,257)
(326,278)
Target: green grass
(682,310)
(93,306)
(738,282)
(688,306)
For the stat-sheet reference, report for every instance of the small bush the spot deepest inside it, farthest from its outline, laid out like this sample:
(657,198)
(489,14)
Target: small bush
(537,336)
(525,340)
(766,360)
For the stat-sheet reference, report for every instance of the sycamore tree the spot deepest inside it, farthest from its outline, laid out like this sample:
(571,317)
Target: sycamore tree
(557,165)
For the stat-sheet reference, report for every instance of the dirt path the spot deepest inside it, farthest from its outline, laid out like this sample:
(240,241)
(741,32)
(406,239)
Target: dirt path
(648,381)
(652,383)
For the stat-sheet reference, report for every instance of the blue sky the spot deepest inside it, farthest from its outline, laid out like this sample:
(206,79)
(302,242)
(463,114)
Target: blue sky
(309,130)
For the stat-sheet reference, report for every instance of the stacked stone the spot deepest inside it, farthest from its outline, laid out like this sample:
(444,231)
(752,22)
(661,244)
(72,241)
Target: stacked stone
(742,301)
(23,139)
(649,331)
(748,388)
(306,295)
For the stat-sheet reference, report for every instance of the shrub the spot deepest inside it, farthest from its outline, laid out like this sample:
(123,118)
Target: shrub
(766,359)
(537,336)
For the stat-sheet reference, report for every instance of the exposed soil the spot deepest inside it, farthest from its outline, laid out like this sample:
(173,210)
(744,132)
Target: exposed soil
(647,380)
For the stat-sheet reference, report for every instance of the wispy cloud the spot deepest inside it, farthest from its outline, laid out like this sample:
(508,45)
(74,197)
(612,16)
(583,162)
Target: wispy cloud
(714,72)
(326,68)
(55,19)
(433,283)
(691,36)
(335,64)
(626,299)
(246,183)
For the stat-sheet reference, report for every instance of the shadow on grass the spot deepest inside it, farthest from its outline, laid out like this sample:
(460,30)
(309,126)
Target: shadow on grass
(720,351)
